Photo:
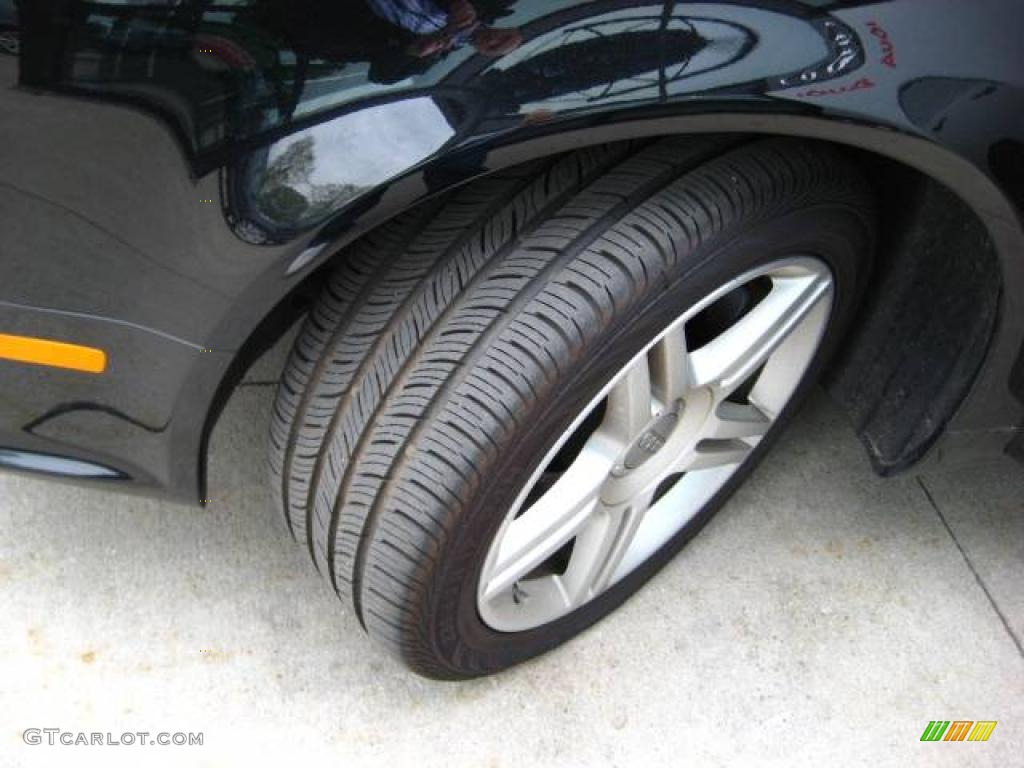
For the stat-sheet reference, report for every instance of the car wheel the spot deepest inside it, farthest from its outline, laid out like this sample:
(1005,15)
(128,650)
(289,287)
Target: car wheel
(510,407)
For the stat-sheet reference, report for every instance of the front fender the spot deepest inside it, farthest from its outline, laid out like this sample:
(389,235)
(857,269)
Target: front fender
(205,161)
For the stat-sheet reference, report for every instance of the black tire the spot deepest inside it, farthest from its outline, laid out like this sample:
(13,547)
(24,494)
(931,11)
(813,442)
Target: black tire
(452,346)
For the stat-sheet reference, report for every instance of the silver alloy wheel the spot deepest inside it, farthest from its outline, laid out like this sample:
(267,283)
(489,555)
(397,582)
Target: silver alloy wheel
(677,422)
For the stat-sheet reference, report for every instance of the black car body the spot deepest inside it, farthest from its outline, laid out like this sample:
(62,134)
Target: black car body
(174,178)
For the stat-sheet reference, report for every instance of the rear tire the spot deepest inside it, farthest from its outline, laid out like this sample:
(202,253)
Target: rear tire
(454,348)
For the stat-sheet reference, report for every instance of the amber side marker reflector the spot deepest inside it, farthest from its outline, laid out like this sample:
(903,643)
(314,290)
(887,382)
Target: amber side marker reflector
(56,354)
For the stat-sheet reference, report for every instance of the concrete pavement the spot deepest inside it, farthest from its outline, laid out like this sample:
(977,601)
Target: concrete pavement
(823,618)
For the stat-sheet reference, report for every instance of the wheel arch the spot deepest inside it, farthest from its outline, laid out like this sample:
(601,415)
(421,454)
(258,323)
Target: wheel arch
(981,413)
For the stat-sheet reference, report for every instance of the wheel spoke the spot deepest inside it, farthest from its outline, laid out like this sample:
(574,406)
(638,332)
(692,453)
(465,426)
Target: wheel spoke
(729,359)
(601,545)
(629,403)
(735,420)
(708,454)
(669,367)
(555,517)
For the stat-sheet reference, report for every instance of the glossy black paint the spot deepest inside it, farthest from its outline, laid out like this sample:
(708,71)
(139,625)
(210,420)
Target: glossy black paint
(171,172)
